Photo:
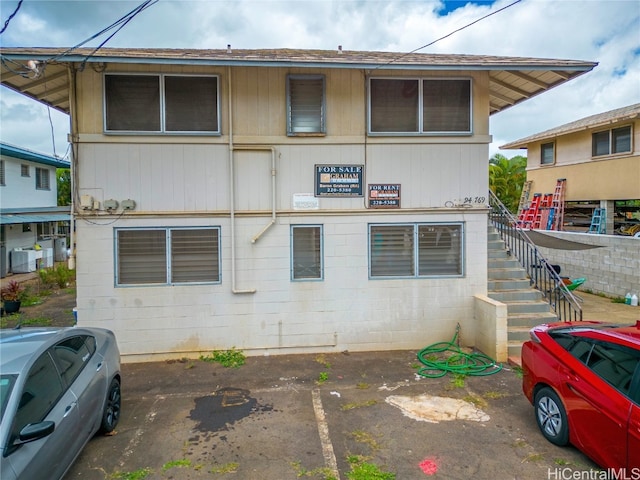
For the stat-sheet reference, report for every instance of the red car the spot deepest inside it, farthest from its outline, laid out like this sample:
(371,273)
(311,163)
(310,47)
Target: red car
(583,379)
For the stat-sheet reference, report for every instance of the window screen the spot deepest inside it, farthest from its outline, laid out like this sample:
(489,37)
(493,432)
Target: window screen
(191,104)
(142,256)
(621,139)
(417,250)
(447,105)
(305,104)
(195,256)
(306,252)
(42,179)
(132,103)
(392,250)
(394,105)
(161,103)
(546,154)
(163,256)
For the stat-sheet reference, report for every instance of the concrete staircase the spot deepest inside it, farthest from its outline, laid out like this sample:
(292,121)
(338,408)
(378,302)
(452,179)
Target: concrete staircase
(509,283)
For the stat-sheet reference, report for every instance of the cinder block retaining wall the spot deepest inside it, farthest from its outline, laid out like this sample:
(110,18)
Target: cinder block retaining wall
(613,269)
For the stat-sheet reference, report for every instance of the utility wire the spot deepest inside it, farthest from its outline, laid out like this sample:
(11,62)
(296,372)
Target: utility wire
(455,31)
(6,24)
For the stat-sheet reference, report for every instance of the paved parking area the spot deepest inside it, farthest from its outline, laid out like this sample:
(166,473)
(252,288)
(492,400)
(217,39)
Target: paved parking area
(311,416)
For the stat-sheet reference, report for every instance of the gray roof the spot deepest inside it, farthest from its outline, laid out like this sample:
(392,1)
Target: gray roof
(511,79)
(596,121)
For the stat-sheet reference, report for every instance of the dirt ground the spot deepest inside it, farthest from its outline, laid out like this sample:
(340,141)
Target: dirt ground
(55,309)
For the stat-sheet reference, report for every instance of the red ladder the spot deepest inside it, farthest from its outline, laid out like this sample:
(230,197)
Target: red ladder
(556,222)
(542,217)
(530,214)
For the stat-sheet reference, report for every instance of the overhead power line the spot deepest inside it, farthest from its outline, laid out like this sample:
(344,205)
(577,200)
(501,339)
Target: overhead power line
(6,24)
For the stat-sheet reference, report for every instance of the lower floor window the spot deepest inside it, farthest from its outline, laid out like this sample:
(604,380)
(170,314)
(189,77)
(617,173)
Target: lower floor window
(167,256)
(416,250)
(306,252)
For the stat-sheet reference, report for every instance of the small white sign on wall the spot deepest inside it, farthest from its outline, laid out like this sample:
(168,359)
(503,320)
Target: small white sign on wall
(305,201)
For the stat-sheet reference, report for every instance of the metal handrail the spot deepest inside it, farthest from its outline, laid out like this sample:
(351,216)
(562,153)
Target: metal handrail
(542,274)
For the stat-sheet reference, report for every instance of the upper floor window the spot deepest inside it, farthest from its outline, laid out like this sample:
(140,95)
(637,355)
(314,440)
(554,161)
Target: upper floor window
(547,154)
(2,172)
(416,250)
(161,103)
(167,256)
(24,170)
(617,140)
(42,179)
(420,106)
(306,252)
(305,104)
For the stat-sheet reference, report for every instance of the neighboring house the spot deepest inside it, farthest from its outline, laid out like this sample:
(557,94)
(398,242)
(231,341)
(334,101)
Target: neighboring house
(599,156)
(280,201)
(29,214)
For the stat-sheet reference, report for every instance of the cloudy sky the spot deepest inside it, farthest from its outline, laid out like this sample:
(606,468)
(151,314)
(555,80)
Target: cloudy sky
(603,31)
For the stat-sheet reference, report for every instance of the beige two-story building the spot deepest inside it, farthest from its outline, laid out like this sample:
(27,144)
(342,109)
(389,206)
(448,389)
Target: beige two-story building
(599,156)
(280,201)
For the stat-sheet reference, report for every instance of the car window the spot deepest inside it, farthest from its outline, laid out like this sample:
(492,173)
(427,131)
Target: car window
(576,346)
(71,356)
(42,390)
(6,385)
(615,364)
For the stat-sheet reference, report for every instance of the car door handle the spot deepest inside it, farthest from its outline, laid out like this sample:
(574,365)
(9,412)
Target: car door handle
(70,407)
(99,367)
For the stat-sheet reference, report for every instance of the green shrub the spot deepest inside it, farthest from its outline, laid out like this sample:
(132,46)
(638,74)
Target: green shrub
(59,276)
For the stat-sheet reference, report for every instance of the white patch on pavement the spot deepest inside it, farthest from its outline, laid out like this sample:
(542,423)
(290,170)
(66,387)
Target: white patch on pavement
(427,408)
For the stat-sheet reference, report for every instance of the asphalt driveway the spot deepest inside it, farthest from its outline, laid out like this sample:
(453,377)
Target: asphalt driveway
(321,417)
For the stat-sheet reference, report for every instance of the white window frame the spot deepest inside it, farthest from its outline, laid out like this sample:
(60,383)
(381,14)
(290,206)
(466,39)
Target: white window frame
(409,252)
(314,111)
(420,108)
(42,179)
(162,92)
(163,258)
(300,261)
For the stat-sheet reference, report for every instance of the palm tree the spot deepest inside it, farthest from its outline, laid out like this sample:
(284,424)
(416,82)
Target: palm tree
(506,178)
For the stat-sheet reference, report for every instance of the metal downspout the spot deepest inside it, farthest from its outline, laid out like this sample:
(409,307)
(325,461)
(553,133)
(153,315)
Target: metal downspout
(232,193)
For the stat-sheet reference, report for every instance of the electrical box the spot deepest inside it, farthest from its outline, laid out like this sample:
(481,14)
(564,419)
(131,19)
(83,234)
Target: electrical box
(110,204)
(128,204)
(86,202)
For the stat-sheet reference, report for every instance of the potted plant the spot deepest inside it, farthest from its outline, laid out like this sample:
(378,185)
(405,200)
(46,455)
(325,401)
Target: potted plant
(11,295)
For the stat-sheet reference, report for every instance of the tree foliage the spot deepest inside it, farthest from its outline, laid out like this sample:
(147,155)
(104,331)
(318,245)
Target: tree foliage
(63,178)
(506,179)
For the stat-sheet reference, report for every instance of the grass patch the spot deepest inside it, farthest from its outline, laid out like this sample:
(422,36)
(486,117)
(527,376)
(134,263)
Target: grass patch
(366,438)
(363,470)
(518,371)
(322,377)
(561,462)
(231,467)
(135,475)
(533,457)
(362,385)
(176,463)
(18,319)
(324,472)
(351,406)
(478,402)
(494,395)
(458,380)
(227,358)
(323,361)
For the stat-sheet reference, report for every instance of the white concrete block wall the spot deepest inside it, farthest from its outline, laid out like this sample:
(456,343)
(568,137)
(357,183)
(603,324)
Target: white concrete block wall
(344,311)
(612,269)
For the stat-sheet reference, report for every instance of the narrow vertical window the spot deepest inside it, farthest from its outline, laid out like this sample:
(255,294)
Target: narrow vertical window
(306,252)
(305,104)
(547,156)
(195,255)
(2,172)
(621,140)
(24,170)
(42,179)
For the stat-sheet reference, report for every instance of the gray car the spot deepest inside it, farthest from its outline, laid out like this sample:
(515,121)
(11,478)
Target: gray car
(58,388)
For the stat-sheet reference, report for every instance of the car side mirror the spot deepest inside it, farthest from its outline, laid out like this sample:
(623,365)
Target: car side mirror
(35,431)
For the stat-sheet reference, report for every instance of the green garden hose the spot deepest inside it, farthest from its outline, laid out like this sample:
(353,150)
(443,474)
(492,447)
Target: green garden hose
(447,357)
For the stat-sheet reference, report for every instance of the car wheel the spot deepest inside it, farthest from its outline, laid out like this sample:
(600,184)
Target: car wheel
(111,413)
(551,416)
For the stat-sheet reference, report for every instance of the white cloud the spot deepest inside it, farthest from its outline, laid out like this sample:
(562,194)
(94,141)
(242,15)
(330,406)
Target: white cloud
(605,31)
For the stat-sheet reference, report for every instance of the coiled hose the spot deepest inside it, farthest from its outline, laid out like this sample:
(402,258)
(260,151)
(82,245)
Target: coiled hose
(447,357)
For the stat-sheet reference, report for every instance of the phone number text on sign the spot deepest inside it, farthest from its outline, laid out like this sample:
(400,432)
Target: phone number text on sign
(384,195)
